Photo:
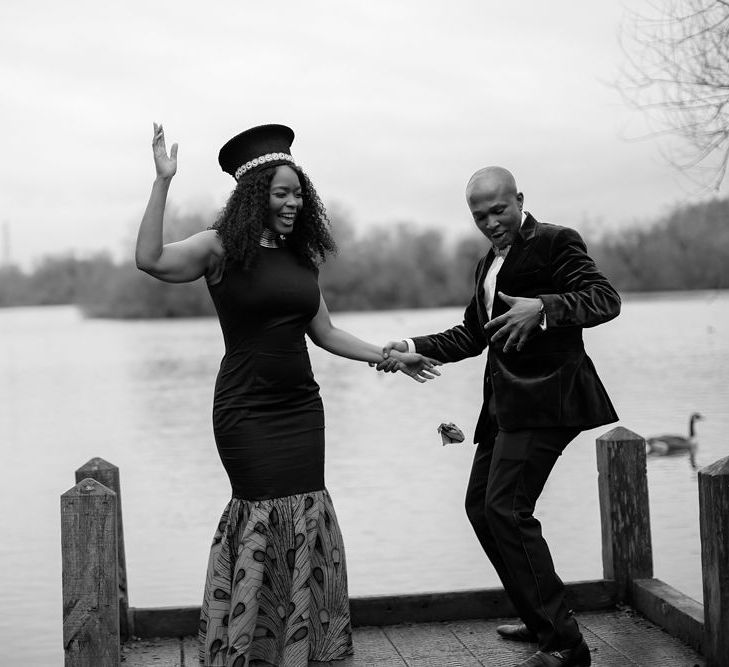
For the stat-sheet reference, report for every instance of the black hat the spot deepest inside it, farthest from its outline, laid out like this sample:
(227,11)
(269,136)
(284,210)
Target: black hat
(262,145)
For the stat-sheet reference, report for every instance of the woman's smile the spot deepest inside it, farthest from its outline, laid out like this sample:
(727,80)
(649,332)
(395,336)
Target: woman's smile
(287,217)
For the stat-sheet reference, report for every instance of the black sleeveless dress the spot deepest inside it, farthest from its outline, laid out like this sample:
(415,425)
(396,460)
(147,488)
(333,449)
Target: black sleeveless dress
(276,586)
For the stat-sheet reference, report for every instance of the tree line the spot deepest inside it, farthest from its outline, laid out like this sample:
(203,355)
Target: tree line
(397,266)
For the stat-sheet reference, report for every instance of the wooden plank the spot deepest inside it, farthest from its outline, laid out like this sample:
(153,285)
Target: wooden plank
(384,610)
(459,605)
(158,652)
(639,641)
(190,652)
(591,595)
(107,474)
(427,607)
(165,621)
(89,571)
(625,517)
(484,643)
(603,654)
(714,529)
(670,609)
(372,647)
(430,645)
(617,638)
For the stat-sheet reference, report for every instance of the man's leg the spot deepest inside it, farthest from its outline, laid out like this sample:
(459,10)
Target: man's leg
(520,465)
(476,511)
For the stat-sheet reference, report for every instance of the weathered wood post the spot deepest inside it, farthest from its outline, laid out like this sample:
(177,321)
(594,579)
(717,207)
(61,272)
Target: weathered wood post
(107,474)
(624,513)
(89,572)
(714,528)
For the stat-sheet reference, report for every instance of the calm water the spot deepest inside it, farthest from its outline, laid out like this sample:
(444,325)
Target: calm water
(139,395)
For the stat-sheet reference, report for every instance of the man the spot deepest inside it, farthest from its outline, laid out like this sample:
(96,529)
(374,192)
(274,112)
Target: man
(534,292)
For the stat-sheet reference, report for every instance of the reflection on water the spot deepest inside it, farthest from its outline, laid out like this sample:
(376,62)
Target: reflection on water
(139,394)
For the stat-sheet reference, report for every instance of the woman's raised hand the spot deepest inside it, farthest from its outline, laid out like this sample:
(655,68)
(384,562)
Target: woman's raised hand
(166,165)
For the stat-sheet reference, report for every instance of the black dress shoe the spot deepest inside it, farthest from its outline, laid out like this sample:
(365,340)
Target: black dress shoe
(577,656)
(517,633)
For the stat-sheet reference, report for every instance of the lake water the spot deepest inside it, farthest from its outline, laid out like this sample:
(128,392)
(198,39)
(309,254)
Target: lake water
(139,395)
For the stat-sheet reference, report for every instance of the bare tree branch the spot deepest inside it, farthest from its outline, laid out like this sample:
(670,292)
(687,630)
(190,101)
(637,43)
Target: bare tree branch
(677,72)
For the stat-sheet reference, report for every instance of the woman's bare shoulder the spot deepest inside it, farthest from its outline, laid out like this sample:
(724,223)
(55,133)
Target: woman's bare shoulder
(210,240)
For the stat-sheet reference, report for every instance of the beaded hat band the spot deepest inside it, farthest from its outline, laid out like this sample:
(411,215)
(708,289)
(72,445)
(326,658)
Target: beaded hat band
(261,160)
(264,145)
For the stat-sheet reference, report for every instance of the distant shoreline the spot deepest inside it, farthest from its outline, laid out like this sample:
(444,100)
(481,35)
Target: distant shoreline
(637,296)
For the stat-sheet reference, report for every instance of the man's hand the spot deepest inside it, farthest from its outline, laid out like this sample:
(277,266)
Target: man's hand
(514,327)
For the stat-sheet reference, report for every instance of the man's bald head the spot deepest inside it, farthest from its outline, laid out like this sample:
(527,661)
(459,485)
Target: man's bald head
(494,178)
(495,204)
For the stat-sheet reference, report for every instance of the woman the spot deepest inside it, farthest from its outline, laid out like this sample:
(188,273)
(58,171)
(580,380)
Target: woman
(276,586)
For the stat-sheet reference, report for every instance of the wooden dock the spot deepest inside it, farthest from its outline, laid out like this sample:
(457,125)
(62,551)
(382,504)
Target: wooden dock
(628,617)
(619,638)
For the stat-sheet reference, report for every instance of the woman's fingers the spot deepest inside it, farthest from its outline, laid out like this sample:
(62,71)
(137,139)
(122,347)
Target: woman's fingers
(419,374)
(159,135)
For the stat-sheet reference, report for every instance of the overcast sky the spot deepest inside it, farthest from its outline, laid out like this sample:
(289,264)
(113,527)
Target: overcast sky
(394,104)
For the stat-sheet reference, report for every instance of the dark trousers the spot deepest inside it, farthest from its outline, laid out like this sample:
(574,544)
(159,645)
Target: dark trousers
(508,474)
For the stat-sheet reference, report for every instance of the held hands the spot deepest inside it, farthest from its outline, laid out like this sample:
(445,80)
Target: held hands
(166,166)
(395,357)
(514,327)
(418,367)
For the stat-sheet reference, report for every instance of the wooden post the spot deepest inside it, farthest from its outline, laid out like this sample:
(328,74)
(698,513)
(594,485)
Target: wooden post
(107,474)
(89,571)
(624,513)
(714,525)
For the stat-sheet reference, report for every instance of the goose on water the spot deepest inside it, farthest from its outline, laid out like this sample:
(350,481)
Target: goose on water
(672,445)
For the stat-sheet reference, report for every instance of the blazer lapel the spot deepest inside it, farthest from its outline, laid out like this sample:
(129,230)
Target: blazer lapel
(483,316)
(518,252)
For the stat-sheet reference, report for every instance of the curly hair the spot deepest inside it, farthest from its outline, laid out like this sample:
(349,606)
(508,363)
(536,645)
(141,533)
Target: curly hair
(240,224)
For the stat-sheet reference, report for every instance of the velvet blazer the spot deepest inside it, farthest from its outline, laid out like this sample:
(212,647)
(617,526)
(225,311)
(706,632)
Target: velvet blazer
(551,382)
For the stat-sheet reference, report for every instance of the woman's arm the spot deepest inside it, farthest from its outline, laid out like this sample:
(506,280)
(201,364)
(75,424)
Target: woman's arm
(337,341)
(179,262)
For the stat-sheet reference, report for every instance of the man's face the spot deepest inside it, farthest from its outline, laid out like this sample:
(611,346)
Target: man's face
(496,210)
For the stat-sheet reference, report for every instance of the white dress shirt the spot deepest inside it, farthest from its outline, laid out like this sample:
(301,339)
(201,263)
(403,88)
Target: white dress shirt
(489,283)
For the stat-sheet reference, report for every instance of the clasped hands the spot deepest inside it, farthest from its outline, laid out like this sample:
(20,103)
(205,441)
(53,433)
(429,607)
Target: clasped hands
(395,357)
(510,330)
